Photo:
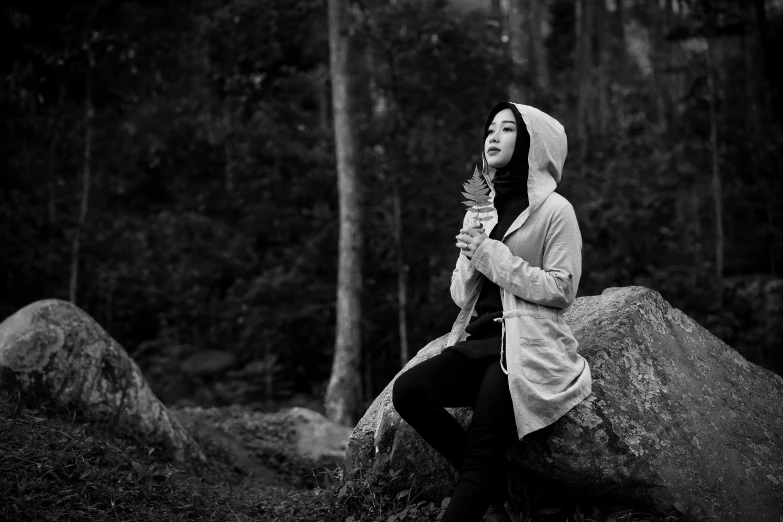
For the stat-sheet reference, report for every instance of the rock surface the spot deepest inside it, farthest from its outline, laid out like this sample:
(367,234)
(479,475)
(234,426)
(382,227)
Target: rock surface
(676,416)
(55,351)
(208,362)
(292,444)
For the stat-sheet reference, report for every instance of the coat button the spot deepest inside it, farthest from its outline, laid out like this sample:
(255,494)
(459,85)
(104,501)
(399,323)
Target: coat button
(570,276)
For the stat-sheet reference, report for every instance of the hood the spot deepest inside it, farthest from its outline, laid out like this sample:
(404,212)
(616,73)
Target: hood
(547,154)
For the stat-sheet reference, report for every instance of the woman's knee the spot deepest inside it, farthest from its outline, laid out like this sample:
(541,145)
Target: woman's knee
(421,385)
(405,392)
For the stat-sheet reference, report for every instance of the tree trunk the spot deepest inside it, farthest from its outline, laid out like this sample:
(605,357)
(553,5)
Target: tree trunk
(672,91)
(228,149)
(753,51)
(619,59)
(696,194)
(495,10)
(112,288)
(368,384)
(583,60)
(752,122)
(380,108)
(51,209)
(538,12)
(760,9)
(88,116)
(322,77)
(270,363)
(620,16)
(51,195)
(518,48)
(600,59)
(344,391)
(717,195)
(402,275)
(773,269)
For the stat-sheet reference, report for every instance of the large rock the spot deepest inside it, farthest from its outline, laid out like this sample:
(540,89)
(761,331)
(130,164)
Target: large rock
(53,350)
(676,416)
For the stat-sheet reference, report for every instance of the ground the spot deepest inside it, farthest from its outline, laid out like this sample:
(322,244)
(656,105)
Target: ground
(56,465)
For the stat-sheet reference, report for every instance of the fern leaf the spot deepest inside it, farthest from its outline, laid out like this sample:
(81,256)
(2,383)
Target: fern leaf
(476,187)
(486,205)
(477,193)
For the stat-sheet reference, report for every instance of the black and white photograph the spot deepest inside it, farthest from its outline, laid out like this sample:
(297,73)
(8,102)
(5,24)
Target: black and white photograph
(391,260)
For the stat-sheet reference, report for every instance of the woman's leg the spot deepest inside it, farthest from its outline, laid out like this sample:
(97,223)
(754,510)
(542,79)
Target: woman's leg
(492,430)
(420,395)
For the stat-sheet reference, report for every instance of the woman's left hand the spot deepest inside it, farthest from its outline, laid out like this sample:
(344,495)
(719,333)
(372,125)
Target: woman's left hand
(469,239)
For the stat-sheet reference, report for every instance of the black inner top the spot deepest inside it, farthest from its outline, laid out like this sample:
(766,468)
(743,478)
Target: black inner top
(485,334)
(511,199)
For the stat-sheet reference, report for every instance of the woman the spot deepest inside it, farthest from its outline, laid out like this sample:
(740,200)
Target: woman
(509,355)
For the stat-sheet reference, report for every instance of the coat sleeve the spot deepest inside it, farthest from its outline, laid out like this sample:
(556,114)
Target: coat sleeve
(556,282)
(464,277)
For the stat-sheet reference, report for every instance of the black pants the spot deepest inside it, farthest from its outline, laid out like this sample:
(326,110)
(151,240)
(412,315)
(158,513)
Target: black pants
(451,379)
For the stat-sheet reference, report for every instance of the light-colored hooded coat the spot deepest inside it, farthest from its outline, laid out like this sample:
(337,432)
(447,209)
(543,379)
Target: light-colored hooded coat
(537,266)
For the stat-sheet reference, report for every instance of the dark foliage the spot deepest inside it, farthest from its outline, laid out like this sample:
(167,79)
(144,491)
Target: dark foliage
(212,217)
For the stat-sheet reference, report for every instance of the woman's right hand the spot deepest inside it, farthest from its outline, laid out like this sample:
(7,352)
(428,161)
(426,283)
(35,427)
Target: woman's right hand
(469,239)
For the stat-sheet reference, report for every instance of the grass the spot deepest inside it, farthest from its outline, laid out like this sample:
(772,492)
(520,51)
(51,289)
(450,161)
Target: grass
(56,465)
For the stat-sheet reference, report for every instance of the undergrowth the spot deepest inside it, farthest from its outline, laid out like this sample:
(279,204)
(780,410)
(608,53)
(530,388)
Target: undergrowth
(359,498)
(57,465)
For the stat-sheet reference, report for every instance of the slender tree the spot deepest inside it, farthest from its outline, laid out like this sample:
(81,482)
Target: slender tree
(600,57)
(583,57)
(51,186)
(402,276)
(86,174)
(717,191)
(383,108)
(538,15)
(344,390)
(228,149)
(516,15)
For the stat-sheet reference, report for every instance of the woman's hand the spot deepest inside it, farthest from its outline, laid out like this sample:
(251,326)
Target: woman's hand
(469,239)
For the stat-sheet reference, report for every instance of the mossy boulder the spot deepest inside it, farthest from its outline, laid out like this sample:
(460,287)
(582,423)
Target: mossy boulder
(676,417)
(53,351)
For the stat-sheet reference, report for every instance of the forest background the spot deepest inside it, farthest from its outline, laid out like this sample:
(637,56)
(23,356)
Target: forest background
(169,166)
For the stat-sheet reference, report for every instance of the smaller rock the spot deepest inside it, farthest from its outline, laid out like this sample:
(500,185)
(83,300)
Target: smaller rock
(208,362)
(295,443)
(223,446)
(318,437)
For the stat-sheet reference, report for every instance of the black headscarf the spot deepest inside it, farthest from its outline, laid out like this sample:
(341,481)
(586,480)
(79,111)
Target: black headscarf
(517,166)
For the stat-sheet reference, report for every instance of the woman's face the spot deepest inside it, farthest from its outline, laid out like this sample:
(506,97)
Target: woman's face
(501,139)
